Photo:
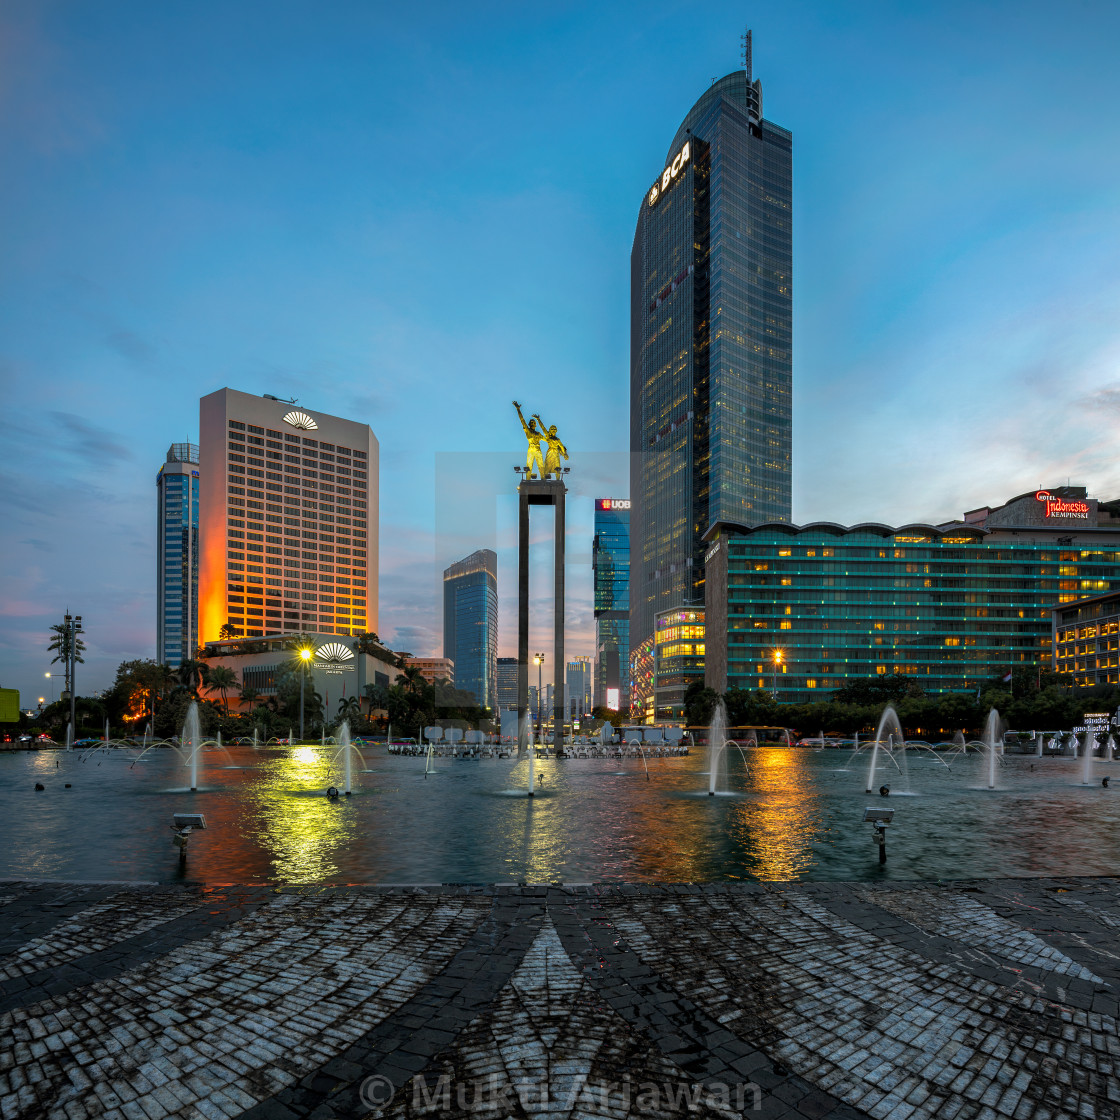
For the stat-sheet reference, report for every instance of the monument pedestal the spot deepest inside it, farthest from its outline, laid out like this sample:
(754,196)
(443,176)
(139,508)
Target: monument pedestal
(538,492)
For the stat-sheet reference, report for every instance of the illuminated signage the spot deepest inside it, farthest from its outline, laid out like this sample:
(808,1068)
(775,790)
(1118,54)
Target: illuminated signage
(613,503)
(333,658)
(1059,507)
(300,420)
(675,167)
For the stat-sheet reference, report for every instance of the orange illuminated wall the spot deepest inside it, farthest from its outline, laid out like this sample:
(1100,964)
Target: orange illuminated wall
(212,517)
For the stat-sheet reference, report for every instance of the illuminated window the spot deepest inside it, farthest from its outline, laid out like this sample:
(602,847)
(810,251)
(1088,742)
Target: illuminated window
(785,551)
(810,683)
(785,625)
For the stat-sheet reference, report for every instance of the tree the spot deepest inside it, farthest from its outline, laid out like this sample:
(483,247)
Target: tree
(249,695)
(377,695)
(411,679)
(349,707)
(886,689)
(699,704)
(370,643)
(191,675)
(221,678)
(228,632)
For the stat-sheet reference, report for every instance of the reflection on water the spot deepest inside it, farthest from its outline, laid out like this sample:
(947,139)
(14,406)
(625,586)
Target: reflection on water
(792,815)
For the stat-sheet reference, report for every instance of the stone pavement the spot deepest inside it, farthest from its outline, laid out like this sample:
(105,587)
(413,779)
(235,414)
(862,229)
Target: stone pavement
(951,1000)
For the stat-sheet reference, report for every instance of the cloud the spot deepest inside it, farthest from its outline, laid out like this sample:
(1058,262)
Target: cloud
(131,346)
(38,545)
(89,441)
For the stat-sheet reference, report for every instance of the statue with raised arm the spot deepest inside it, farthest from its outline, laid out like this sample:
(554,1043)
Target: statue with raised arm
(533,455)
(556,449)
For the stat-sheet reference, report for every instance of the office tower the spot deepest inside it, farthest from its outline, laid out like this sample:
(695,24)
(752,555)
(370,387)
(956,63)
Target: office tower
(177,555)
(710,339)
(610,564)
(289,519)
(470,624)
(507,683)
(578,681)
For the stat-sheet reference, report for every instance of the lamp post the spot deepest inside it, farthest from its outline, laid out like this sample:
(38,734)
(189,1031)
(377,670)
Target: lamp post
(538,658)
(305,655)
(48,676)
(777,663)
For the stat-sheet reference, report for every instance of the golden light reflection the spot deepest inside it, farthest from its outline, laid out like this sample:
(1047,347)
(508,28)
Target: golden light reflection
(307,756)
(783,819)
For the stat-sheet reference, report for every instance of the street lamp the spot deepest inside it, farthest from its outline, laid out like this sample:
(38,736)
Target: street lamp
(305,655)
(778,656)
(48,676)
(538,659)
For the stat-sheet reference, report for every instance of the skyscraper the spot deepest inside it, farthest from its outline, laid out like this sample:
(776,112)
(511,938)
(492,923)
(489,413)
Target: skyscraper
(578,681)
(470,624)
(177,555)
(710,343)
(289,519)
(610,564)
(507,683)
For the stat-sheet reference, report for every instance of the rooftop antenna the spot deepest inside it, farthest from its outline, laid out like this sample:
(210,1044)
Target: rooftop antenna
(745,46)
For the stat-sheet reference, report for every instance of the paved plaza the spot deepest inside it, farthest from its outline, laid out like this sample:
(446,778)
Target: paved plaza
(951,1000)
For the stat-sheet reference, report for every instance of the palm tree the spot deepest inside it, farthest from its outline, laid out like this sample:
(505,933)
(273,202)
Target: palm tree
(249,695)
(349,707)
(221,679)
(228,632)
(191,674)
(411,678)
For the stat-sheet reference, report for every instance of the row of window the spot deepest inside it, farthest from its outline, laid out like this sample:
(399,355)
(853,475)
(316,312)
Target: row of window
(280,438)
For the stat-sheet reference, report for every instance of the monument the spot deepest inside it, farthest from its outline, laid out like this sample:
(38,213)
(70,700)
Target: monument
(542,484)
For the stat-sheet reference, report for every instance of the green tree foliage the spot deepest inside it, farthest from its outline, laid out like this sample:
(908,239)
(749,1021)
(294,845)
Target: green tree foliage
(699,704)
(221,679)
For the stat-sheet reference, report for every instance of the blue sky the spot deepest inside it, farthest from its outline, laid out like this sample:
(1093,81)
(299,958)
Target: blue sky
(410,214)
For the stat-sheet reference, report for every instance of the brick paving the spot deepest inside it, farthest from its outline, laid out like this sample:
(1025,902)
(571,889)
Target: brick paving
(986,1000)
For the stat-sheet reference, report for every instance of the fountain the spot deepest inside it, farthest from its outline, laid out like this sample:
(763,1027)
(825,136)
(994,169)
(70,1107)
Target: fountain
(992,732)
(1087,757)
(532,761)
(716,739)
(1109,746)
(69,736)
(888,722)
(1038,750)
(192,742)
(106,731)
(345,748)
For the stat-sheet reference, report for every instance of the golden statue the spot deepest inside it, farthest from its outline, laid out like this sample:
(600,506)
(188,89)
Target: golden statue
(556,450)
(533,455)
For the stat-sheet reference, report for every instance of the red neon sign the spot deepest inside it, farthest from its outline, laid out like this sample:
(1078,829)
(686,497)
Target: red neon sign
(1058,507)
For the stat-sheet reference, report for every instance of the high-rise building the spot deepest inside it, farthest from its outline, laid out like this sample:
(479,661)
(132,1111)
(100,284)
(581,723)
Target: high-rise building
(710,343)
(610,564)
(507,683)
(433,669)
(470,624)
(177,555)
(289,519)
(578,681)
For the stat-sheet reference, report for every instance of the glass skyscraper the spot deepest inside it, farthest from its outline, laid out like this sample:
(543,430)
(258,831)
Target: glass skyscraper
(610,562)
(710,350)
(177,555)
(470,624)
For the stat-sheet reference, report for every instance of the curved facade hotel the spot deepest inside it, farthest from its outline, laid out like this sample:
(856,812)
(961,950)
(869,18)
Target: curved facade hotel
(288,519)
(952,605)
(710,343)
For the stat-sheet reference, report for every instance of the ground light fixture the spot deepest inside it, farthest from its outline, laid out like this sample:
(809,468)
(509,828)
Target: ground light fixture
(879,819)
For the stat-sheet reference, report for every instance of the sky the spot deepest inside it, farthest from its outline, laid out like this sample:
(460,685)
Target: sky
(410,215)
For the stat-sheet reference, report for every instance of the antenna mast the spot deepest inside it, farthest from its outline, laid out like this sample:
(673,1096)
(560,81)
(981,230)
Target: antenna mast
(745,47)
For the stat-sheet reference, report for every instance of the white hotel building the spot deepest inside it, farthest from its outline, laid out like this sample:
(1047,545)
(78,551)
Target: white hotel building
(288,520)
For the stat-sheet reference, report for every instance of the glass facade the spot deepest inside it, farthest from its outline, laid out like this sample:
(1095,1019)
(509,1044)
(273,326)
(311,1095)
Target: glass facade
(610,562)
(678,659)
(711,365)
(952,607)
(1087,641)
(470,624)
(177,555)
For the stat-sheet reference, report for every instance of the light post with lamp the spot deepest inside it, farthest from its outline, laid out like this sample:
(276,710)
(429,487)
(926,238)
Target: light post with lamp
(51,679)
(305,657)
(778,658)
(538,660)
